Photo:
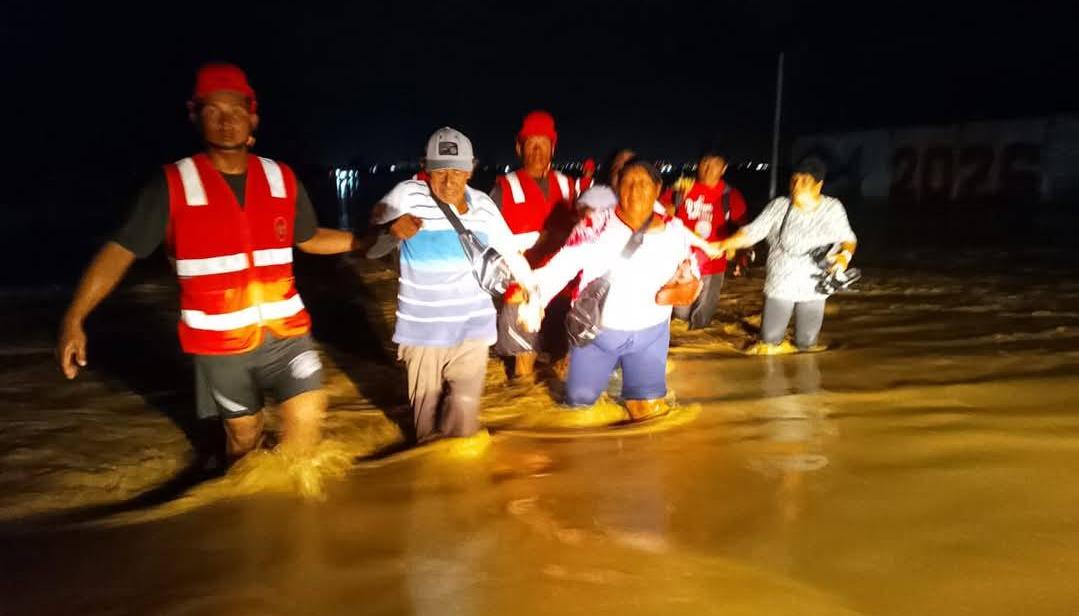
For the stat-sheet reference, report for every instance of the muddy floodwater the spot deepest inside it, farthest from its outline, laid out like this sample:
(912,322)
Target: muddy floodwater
(925,463)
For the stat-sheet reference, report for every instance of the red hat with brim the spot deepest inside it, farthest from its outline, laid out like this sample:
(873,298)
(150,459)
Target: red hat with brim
(538,123)
(219,77)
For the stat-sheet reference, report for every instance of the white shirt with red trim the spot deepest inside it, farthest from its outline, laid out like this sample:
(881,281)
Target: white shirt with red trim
(596,246)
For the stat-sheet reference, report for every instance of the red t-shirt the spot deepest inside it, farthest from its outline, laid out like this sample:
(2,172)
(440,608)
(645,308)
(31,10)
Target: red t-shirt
(701,211)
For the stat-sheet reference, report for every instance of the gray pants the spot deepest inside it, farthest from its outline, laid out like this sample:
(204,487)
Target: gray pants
(808,318)
(700,313)
(444,387)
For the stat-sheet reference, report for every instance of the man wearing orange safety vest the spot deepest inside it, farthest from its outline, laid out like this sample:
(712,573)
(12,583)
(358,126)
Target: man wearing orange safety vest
(229,220)
(537,203)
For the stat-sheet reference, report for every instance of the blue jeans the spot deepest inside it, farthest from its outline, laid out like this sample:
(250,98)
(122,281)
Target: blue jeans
(642,355)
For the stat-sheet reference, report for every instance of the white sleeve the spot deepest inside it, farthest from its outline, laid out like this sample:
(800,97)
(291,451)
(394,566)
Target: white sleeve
(501,239)
(842,225)
(395,204)
(553,277)
(598,197)
(499,235)
(763,224)
(689,239)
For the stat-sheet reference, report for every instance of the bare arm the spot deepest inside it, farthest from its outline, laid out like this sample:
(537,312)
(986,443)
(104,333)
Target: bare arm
(755,231)
(101,277)
(330,242)
(712,249)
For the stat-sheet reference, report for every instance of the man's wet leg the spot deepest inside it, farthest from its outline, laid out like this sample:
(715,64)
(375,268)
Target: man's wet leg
(301,421)
(465,375)
(242,434)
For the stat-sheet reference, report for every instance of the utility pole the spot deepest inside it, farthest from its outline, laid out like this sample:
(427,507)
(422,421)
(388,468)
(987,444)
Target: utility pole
(775,129)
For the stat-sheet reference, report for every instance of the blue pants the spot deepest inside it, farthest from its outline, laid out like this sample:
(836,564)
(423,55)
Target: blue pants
(642,355)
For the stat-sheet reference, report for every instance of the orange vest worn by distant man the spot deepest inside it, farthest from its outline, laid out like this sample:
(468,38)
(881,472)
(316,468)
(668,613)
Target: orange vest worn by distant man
(527,211)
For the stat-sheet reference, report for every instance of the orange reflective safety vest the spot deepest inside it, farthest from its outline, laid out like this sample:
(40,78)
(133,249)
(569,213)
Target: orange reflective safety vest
(529,213)
(234,263)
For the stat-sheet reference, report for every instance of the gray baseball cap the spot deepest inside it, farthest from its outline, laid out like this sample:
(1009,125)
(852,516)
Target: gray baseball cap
(448,148)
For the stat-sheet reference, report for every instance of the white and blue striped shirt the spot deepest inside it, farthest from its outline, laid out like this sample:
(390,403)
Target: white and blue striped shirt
(439,302)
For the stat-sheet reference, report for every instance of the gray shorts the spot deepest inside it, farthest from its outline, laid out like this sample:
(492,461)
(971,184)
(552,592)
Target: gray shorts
(232,385)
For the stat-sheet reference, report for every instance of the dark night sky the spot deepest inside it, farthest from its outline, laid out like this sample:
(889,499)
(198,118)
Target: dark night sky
(99,89)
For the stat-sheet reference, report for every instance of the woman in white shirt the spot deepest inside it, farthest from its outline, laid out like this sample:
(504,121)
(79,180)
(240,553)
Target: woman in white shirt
(635,321)
(794,230)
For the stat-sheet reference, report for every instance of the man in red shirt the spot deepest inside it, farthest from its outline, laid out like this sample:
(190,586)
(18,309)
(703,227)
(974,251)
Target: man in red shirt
(714,210)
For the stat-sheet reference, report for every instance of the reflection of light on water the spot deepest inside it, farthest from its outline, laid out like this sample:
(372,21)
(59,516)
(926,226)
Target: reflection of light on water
(304,475)
(264,472)
(762,348)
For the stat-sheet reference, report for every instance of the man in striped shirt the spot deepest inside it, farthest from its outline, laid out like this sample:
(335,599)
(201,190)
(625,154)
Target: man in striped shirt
(445,320)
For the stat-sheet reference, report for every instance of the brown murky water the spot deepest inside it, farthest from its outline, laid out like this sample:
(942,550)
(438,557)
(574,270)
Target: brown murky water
(925,464)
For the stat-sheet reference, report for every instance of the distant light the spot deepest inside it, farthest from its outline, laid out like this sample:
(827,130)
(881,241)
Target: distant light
(393,168)
(374,168)
(506,169)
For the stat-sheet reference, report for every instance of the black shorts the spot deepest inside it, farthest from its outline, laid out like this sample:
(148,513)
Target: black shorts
(232,385)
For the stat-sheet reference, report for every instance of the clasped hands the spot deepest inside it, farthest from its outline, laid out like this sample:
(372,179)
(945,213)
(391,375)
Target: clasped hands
(529,309)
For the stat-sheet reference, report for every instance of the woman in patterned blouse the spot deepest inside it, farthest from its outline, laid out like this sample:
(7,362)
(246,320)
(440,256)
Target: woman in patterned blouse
(795,226)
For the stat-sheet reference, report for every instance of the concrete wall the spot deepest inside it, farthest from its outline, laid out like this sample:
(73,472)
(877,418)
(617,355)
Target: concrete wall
(1028,160)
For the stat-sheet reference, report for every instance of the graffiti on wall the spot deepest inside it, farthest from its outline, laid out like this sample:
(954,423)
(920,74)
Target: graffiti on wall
(1020,160)
(965,174)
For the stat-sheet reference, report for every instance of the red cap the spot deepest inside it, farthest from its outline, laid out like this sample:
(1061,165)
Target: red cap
(538,123)
(216,77)
(589,165)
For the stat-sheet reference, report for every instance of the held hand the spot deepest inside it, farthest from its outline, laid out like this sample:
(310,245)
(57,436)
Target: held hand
(530,312)
(71,349)
(530,316)
(714,250)
(724,245)
(515,295)
(405,227)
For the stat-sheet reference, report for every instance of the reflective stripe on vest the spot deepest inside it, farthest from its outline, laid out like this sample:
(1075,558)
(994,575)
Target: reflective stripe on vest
(563,184)
(516,190)
(232,263)
(274,178)
(211,265)
(194,193)
(252,315)
(272,256)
